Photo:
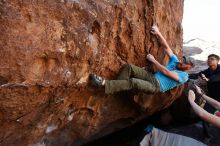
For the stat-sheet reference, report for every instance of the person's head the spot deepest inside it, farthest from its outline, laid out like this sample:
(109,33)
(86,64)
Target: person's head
(186,64)
(183,66)
(213,60)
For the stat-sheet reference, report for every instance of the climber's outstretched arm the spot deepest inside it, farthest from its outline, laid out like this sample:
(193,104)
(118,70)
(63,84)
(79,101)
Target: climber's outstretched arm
(155,30)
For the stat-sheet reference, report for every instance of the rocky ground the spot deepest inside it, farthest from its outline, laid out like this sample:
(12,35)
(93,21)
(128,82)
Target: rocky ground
(133,135)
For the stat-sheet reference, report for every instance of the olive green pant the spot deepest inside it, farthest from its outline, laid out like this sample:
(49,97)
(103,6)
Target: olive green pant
(132,77)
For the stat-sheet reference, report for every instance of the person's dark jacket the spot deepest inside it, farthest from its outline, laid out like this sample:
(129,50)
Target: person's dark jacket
(211,75)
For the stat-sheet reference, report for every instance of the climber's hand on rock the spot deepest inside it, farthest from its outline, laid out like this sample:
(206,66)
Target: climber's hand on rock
(155,30)
(150,57)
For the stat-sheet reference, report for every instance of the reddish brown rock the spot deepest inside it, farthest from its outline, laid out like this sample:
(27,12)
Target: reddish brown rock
(48,49)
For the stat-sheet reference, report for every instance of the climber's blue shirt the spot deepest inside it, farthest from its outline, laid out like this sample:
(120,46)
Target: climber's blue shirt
(166,83)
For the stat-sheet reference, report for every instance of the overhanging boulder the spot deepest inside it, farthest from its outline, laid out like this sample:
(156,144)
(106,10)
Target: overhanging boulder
(49,48)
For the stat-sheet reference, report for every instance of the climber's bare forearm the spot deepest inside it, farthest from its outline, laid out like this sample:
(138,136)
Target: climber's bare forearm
(165,44)
(165,71)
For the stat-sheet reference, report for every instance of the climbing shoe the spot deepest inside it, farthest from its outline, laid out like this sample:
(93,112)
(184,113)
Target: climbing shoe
(97,80)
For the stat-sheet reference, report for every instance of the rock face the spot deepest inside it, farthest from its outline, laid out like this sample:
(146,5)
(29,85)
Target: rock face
(49,48)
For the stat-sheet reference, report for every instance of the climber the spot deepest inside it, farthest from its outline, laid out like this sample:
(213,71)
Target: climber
(210,118)
(134,77)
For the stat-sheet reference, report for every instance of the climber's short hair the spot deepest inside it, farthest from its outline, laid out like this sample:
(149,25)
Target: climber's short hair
(183,66)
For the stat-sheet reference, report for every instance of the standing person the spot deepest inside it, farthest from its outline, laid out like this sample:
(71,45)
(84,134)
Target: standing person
(134,77)
(211,76)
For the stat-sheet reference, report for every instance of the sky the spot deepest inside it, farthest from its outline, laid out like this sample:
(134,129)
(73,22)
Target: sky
(201,19)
